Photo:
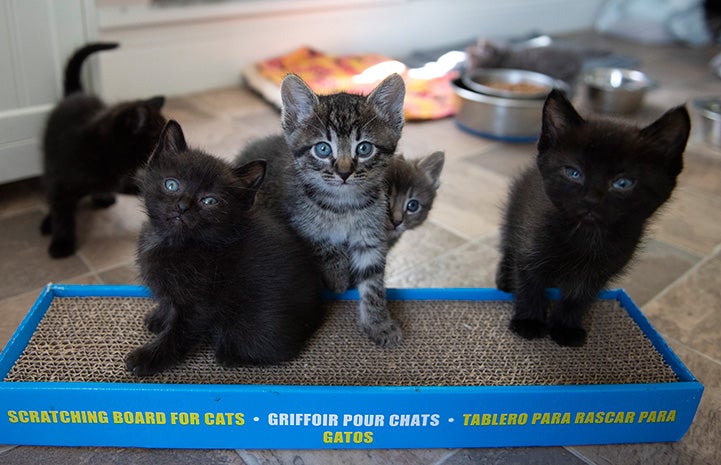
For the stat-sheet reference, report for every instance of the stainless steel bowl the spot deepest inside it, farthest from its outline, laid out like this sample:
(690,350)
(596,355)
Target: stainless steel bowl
(709,110)
(614,91)
(507,119)
(511,83)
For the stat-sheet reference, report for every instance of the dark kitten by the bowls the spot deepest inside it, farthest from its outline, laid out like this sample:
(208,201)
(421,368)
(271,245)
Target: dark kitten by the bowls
(91,149)
(575,219)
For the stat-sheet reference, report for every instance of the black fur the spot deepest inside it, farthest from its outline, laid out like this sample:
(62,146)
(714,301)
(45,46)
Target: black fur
(575,220)
(92,149)
(221,270)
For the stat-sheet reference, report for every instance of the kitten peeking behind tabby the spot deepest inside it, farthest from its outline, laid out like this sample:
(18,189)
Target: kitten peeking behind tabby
(222,271)
(412,186)
(91,149)
(575,219)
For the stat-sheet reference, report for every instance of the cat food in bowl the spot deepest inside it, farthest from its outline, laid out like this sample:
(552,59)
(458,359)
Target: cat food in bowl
(507,119)
(511,83)
(709,110)
(614,91)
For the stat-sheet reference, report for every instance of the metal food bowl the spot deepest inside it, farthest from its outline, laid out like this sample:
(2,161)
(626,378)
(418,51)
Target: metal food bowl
(507,119)
(511,83)
(614,91)
(709,110)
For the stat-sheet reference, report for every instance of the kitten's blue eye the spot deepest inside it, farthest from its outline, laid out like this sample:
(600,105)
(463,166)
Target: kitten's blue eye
(623,184)
(364,149)
(172,184)
(323,150)
(209,200)
(574,174)
(413,206)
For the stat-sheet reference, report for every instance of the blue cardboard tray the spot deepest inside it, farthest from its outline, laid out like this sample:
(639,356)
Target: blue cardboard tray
(317,417)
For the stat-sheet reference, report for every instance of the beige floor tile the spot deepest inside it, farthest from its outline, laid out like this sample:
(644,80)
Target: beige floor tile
(470,265)
(420,245)
(230,102)
(19,196)
(656,266)
(701,171)
(108,237)
(124,274)
(698,446)
(689,221)
(505,159)
(25,263)
(14,309)
(345,457)
(469,200)
(690,310)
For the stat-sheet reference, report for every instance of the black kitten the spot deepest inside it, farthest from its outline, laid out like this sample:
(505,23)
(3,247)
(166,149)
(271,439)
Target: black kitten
(221,271)
(91,149)
(574,220)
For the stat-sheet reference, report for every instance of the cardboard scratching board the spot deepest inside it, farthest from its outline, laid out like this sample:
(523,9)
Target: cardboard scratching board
(460,379)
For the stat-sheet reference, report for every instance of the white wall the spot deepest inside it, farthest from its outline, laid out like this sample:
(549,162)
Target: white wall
(176,51)
(208,46)
(35,35)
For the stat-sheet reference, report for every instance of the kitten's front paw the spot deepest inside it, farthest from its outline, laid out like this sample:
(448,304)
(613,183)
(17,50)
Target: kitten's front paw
(568,336)
(145,361)
(528,328)
(387,334)
(61,248)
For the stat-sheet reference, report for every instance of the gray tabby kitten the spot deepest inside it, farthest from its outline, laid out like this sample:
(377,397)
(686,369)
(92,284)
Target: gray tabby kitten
(412,186)
(326,174)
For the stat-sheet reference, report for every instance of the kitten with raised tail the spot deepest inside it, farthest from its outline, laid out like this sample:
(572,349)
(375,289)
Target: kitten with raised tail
(326,178)
(575,220)
(91,149)
(411,187)
(221,270)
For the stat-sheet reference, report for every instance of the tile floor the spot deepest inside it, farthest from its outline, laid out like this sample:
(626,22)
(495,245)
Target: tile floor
(675,279)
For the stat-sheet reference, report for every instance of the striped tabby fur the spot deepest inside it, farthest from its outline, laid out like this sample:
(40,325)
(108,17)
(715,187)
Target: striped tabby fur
(326,174)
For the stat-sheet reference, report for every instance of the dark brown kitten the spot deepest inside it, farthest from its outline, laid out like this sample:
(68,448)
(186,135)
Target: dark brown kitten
(222,271)
(412,186)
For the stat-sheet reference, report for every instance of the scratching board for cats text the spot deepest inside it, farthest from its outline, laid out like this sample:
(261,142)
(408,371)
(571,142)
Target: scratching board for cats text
(460,379)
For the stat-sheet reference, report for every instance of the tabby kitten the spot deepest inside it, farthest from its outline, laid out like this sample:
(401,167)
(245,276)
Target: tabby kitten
(221,271)
(575,220)
(91,149)
(326,177)
(412,186)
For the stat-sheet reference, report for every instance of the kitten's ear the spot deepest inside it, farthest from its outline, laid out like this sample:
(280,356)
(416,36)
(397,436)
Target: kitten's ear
(137,117)
(299,102)
(250,176)
(559,118)
(171,141)
(669,134)
(156,102)
(387,99)
(432,165)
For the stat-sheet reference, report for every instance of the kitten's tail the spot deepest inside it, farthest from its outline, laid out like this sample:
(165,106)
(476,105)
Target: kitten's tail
(72,69)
